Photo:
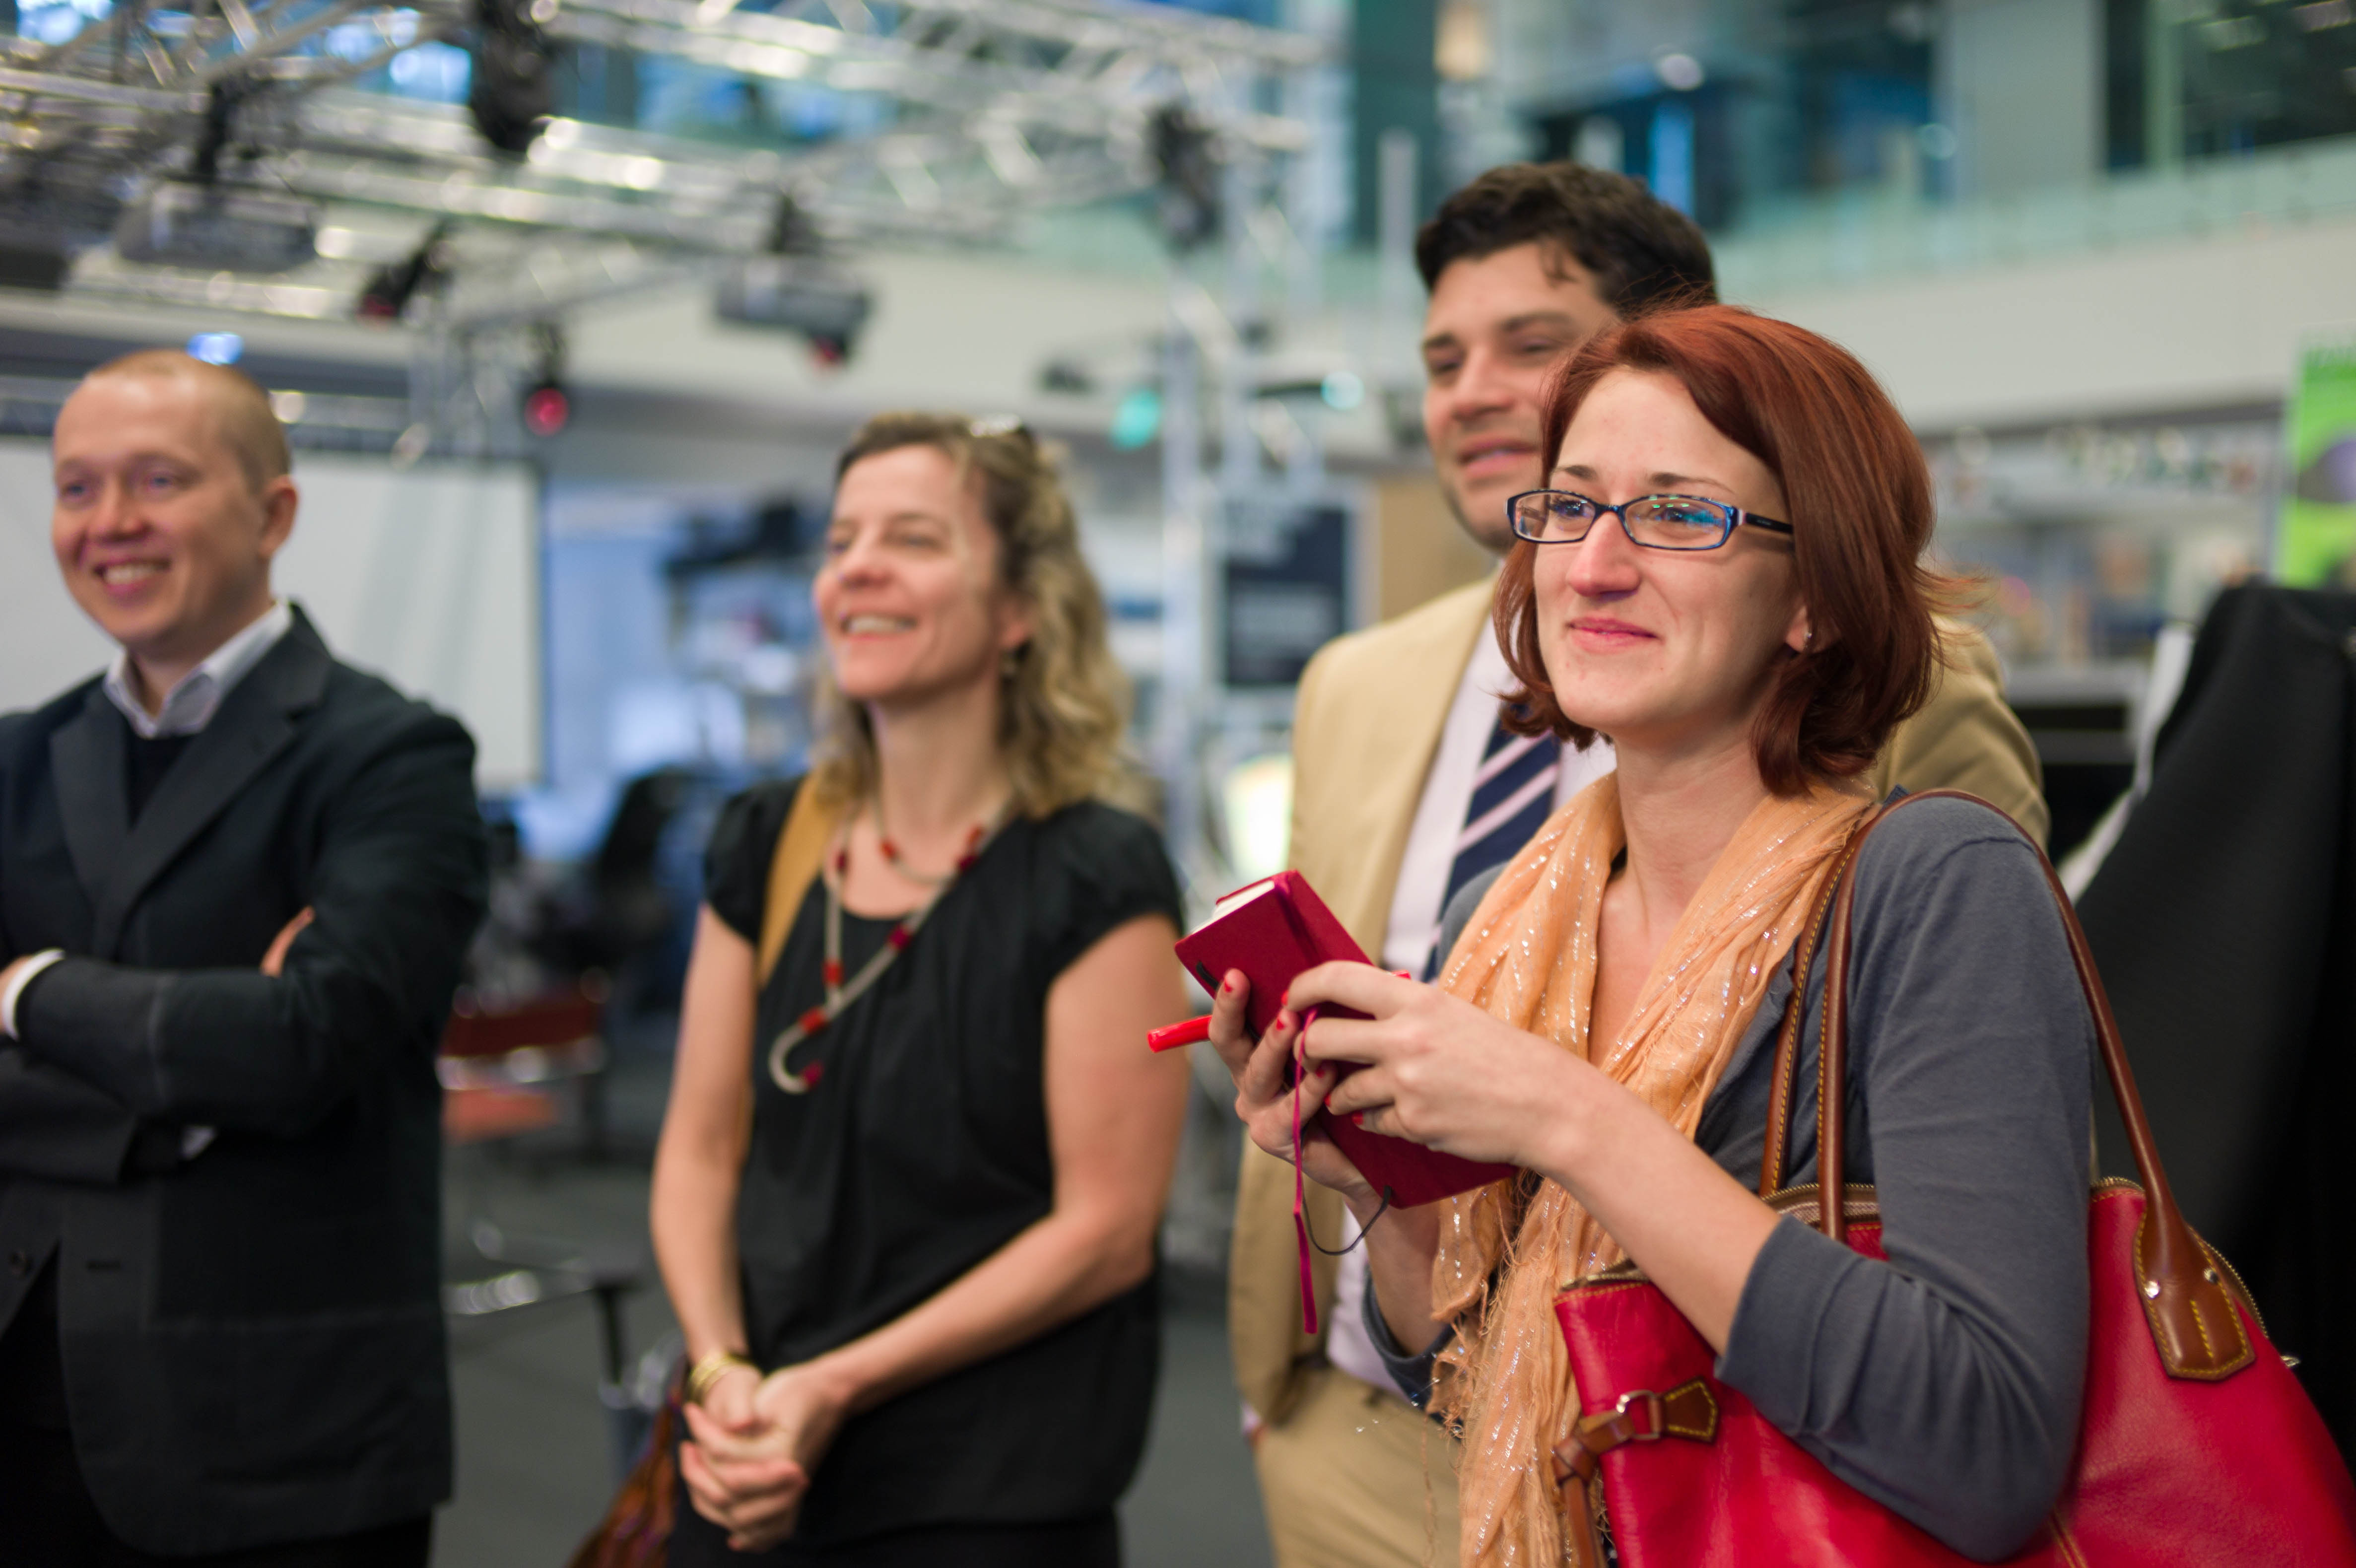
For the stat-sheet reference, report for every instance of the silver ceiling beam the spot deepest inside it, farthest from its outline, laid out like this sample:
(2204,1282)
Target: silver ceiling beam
(1077,70)
(952,184)
(1000,107)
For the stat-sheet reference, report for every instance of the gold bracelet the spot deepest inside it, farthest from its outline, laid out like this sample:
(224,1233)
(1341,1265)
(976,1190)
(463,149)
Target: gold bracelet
(705,1375)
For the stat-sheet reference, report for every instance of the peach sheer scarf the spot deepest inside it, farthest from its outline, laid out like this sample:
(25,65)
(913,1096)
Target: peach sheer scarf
(1528,956)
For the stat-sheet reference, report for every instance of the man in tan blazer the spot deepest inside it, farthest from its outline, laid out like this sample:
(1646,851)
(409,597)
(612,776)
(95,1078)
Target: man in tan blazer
(1403,787)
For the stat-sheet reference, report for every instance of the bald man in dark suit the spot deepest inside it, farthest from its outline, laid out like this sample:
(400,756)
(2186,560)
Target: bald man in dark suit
(236,881)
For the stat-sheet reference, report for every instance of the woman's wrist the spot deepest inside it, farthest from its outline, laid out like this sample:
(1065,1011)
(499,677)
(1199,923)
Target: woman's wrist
(1564,1137)
(837,1378)
(713,1368)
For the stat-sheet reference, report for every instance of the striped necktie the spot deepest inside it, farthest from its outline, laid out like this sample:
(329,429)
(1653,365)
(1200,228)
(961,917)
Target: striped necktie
(1512,795)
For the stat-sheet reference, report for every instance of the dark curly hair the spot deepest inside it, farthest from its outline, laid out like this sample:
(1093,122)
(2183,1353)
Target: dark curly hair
(1643,253)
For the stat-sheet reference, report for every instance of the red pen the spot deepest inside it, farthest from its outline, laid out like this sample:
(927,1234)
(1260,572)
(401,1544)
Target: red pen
(1172,1036)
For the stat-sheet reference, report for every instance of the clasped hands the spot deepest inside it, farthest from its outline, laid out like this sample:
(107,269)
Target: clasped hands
(1431,1067)
(754,1442)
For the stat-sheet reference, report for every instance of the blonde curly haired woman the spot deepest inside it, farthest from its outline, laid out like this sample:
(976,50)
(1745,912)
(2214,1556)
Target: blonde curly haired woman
(909,1180)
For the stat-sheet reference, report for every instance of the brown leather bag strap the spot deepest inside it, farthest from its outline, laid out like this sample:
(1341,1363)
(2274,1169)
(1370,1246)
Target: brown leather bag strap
(1778,1150)
(800,854)
(1831,1054)
(2190,1307)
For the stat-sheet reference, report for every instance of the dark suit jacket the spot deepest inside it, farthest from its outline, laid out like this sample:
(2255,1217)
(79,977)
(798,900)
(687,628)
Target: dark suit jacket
(2225,921)
(252,1340)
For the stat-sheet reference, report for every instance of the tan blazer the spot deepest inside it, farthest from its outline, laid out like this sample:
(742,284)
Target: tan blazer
(1366,724)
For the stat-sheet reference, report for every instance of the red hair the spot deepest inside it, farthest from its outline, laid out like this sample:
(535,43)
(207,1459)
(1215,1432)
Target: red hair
(1857,493)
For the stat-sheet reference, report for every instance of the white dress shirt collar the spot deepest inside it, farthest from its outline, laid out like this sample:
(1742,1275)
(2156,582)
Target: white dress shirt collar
(190,706)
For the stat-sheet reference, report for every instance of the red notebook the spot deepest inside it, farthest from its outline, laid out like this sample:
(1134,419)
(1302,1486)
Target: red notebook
(1273,930)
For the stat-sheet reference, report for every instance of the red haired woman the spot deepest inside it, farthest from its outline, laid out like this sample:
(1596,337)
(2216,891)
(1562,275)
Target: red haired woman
(1724,576)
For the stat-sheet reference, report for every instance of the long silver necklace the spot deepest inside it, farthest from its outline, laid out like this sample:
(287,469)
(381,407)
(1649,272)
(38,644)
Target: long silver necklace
(840,994)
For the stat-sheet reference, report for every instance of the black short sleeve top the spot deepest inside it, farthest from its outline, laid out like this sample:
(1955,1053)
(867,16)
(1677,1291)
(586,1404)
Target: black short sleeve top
(921,1149)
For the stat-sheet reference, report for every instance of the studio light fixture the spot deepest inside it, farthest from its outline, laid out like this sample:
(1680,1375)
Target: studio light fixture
(1186,162)
(392,287)
(512,89)
(547,406)
(218,227)
(792,287)
(202,223)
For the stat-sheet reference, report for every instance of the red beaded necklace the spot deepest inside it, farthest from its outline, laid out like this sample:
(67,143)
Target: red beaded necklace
(892,856)
(839,995)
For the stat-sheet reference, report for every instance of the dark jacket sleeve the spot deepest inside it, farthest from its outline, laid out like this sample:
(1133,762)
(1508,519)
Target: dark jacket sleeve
(398,885)
(54,1126)
(1946,1382)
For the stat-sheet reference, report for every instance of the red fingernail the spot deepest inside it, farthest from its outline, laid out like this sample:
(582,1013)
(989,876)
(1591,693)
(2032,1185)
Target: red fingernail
(1357,1118)
(1283,996)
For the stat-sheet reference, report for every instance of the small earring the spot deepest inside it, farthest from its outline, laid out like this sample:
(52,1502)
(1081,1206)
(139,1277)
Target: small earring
(1009,660)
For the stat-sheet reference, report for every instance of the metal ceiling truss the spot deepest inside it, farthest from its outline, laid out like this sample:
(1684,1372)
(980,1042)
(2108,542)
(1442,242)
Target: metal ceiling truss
(1067,68)
(29,406)
(121,96)
(1000,107)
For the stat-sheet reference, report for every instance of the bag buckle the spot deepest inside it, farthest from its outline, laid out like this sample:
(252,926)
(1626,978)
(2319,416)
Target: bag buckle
(1641,1415)
(1650,1403)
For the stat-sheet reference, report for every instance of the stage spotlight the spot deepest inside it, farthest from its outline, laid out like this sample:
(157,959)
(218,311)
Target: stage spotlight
(547,406)
(798,295)
(392,287)
(791,285)
(216,227)
(513,87)
(1185,158)
(201,223)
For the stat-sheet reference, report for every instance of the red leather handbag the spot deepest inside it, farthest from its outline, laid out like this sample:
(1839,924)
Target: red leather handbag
(2195,1446)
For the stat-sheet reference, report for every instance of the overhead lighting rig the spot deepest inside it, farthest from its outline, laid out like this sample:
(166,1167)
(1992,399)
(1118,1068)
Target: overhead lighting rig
(469,224)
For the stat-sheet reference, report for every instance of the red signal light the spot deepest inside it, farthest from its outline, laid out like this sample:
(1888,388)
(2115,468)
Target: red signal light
(546,408)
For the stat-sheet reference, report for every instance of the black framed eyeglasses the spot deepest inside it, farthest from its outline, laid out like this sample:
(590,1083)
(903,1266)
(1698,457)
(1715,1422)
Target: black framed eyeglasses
(1654,522)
